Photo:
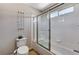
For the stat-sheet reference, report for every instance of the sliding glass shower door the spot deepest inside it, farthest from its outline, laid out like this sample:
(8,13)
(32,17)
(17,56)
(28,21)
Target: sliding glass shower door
(65,30)
(58,30)
(43,30)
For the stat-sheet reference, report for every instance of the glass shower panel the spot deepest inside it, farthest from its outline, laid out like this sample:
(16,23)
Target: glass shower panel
(65,32)
(43,30)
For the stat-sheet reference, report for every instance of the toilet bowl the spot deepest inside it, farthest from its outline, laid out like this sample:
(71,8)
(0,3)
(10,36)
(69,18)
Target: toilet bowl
(23,50)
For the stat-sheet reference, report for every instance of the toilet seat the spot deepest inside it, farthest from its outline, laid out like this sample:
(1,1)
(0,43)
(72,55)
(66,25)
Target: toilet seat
(23,50)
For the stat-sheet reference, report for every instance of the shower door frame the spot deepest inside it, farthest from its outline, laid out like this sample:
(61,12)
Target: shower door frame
(49,31)
(49,48)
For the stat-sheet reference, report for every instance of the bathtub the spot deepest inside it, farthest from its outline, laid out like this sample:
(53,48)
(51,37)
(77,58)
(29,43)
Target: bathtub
(61,50)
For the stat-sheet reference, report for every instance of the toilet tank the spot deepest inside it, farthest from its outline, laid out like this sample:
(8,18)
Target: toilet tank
(21,42)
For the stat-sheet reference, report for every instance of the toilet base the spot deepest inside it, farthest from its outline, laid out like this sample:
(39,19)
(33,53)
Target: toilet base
(23,50)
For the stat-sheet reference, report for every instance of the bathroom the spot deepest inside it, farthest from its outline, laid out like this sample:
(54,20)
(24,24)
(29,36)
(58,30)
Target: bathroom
(47,28)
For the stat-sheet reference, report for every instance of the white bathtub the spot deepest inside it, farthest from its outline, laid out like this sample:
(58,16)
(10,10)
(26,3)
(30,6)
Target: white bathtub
(60,50)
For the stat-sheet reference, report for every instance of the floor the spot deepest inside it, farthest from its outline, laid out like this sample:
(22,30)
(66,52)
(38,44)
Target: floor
(33,52)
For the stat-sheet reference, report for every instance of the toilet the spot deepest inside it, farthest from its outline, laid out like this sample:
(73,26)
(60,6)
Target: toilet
(22,49)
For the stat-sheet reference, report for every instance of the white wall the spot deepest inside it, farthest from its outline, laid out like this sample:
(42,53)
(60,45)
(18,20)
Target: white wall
(8,26)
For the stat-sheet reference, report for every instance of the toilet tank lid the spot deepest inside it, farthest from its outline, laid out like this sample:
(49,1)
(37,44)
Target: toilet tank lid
(22,39)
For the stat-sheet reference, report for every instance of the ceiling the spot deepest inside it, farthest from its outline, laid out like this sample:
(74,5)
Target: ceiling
(40,6)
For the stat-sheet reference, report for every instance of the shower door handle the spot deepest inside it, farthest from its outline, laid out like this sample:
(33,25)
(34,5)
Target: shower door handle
(76,51)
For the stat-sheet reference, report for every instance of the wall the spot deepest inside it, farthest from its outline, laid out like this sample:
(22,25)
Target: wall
(8,26)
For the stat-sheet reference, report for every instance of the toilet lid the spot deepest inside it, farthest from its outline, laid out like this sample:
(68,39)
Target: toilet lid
(23,50)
